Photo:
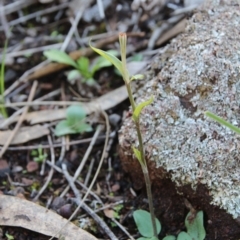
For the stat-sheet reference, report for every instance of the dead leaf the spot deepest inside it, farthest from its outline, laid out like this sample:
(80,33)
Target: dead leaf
(24,134)
(27,181)
(32,166)
(115,187)
(18,212)
(109,213)
(4,168)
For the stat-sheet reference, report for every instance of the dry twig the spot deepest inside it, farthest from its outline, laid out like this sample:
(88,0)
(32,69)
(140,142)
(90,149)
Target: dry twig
(86,155)
(21,119)
(50,172)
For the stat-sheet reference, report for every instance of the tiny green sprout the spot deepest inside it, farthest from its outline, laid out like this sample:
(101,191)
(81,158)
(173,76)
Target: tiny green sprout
(222,122)
(117,210)
(142,219)
(38,155)
(4,183)
(75,122)
(137,154)
(139,108)
(137,77)
(194,226)
(9,237)
(83,70)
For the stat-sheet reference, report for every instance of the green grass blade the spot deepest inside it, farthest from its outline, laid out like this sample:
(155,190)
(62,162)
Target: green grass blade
(111,58)
(139,108)
(2,84)
(222,122)
(60,57)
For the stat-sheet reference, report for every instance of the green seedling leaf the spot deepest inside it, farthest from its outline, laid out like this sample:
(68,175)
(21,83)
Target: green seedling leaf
(169,238)
(184,236)
(195,226)
(75,122)
(137,154)
(137,57)
(73,75)
(63,128)
(9,237)
(143,221)
(75,114)
(83,127)
(222,122)
(83,63)
(100,63)
(137,77)
(89,81)
(110,57)
(83,66)
(154,238)
(139,108)
(113,52)
(34,153)
(144,238)
(60,57)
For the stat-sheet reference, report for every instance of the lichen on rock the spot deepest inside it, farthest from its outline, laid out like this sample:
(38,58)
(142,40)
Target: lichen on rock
(202,74)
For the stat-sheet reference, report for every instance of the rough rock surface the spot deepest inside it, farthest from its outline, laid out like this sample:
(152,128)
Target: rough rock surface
(198,71)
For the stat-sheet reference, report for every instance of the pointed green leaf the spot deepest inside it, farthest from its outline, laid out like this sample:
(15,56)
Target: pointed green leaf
(143,221)
(222,122)
(83,127)
(139,108)
(170,237)
(100,63)
(195,226)
(83,66)
(137,154)
(60,57)
(75,122)
(63,128)
(90,81)
(137,77)
(153,238)
(75,114)
(115,61)
(184,236)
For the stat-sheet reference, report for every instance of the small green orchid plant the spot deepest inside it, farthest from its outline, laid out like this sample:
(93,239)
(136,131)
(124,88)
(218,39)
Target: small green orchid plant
(39,155)
(83,70)
(194,226)
(139,151)
(142,219)
(75,122)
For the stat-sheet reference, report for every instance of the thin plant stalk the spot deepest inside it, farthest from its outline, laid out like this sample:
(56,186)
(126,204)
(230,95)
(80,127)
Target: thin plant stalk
(143,163)
(2,85)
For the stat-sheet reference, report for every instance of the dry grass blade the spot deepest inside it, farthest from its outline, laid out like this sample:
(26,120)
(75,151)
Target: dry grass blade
(86,155)
(25,134)
(21,119)
(50,173)
(101,223)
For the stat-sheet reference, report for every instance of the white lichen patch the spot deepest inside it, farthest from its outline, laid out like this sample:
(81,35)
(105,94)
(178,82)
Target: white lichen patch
(203,74)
